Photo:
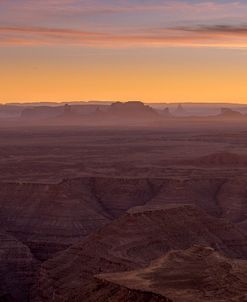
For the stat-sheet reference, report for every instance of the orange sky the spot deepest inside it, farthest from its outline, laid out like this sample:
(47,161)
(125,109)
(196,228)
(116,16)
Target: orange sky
(139,74)
(169,51)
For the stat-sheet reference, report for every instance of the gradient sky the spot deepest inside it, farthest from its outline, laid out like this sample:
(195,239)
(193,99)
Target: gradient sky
(150,50)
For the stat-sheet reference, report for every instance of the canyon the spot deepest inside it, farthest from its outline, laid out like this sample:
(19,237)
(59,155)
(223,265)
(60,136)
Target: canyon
(87,214)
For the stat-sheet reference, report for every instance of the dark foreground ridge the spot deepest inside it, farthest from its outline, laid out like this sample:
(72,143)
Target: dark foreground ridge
(57,237)
(197,274)
(131,242)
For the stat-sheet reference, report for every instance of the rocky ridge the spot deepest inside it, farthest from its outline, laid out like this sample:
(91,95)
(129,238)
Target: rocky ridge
(131,242)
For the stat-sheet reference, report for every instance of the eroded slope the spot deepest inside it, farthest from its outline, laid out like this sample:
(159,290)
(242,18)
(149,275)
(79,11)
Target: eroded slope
(17,268)
(133,241)
(197,274)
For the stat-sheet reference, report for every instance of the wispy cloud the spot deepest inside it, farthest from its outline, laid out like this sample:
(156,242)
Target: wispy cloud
(238,30)
(123,23)
(196,36)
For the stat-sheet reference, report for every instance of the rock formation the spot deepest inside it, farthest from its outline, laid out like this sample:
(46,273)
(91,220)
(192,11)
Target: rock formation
(41,112)
(230,113)
(197,274)
(132,241)
(51,217)
(17,267)
(101,290)
(180,111)
(132,110)
(166,112)
(67,110)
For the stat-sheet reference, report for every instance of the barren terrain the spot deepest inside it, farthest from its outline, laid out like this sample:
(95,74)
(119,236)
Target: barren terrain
(76,202)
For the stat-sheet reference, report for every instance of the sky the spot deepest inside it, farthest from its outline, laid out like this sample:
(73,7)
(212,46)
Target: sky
(148,50)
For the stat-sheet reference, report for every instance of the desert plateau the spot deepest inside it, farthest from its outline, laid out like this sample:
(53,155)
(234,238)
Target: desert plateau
(124,212)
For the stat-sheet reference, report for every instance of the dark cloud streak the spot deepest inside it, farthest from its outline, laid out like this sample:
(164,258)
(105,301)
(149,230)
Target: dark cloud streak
(221,28)
(200,35)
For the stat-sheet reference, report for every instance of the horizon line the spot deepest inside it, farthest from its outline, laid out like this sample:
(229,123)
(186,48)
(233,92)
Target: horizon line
(125,101)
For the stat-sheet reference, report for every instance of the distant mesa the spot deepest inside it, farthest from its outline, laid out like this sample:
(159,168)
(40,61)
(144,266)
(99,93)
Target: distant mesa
(64,113)
(229,113)
(67,112)
(67,109)
(132,110)
(98,110)
(166,112)
(99,113)
(50,113)
(41,112)
(109,113)
(180,111)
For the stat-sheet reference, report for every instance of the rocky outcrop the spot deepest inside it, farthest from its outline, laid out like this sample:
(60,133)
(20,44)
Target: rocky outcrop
(17,267)
(68,116)
(56,113)
(49,218)
(132,110)
(180,111)
(104,291)
(133,241)
(229,113)
(166,113)
(219,197)
(197,274)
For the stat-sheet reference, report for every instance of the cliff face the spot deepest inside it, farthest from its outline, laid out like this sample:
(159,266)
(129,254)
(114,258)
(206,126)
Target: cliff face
(230,113)
(100,290)
(50,218)
(133,241)
(196,274)
(132,110)
(17,267)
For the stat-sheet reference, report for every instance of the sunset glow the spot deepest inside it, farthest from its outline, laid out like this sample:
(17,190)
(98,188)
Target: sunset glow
(161,50)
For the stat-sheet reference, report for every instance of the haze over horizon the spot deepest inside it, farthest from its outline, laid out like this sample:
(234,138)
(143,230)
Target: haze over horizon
(153,51)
